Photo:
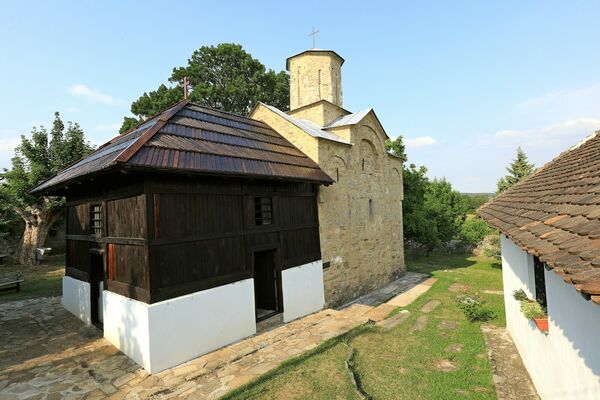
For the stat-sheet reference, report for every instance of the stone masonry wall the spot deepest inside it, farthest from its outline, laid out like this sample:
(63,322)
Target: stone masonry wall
(313,77)
(360,216)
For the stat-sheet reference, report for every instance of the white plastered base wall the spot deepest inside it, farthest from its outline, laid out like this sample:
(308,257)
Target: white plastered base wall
(76,298)
(165,334)
(565,363)
(303,291)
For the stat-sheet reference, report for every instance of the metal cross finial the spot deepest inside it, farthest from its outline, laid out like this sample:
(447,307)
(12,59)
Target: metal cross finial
(314,34)
(185,87)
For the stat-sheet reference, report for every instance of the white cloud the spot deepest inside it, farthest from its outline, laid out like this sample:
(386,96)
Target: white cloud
(420,141)
(559,136)
(73,109)
(110,128)
(9,142)
(563,104)
(81,90)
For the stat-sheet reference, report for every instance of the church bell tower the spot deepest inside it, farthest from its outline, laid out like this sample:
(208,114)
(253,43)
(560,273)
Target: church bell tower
(315,75)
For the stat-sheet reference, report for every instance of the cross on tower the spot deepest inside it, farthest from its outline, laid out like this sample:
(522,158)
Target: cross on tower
(314,34)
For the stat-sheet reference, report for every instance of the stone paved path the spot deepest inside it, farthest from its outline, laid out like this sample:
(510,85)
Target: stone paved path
(46,353)
(510,376)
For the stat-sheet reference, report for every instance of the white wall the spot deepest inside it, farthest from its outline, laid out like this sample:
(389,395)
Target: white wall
(302,289)
(76,298)
(565,363)
(165,334)
(126,327)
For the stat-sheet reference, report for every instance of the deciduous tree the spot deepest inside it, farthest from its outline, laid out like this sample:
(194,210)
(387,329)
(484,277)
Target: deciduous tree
(224,77)
(35,160)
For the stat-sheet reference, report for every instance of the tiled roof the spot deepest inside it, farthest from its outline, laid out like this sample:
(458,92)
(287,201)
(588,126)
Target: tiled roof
(190,138)
(555,214)
(307,126)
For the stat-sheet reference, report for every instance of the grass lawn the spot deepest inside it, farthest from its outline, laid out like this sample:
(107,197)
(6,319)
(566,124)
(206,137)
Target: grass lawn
(402,363)
(40,280)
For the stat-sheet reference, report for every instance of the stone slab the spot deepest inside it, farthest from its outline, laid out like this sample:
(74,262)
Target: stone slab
(511,379)
(406,298)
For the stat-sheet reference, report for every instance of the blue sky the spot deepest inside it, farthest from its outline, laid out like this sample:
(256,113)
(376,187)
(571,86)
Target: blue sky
(465,82)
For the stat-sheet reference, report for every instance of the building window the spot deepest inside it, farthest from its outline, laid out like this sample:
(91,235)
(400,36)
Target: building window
(337,174)
(540,281)
(370,207)
(263,210)
(96,220)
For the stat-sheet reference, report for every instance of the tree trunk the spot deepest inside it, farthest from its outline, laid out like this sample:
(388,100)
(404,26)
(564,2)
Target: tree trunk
(39,219)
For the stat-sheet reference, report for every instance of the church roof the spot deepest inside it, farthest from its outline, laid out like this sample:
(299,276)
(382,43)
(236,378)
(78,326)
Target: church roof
(189,138)
(307,126)
(554,214)
(313,51)
(350,119)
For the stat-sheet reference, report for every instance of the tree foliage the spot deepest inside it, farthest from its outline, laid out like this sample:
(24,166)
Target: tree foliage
(517,170)
(35,160)
(396,147)
(433,212)
(474,230)
(223,77)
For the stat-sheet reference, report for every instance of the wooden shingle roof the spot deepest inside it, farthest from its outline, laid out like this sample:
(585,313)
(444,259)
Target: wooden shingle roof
(190,138)
(555,214)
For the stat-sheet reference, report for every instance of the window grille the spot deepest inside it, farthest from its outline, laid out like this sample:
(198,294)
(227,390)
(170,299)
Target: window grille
(96,220)
(263,210)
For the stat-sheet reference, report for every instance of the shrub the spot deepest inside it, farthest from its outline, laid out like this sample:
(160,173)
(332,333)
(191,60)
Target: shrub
(474,308)
(492,248)
(532,309)
(473,231)
(520,295)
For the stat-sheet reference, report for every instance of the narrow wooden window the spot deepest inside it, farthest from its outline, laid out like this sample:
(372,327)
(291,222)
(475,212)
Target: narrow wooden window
(96,219)
(540,281)
(263,210)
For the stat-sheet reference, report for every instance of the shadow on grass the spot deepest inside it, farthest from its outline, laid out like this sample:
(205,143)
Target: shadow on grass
(252,388)
(416,262)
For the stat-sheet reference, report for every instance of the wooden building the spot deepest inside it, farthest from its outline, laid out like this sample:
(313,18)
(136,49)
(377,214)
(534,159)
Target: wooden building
(184,232)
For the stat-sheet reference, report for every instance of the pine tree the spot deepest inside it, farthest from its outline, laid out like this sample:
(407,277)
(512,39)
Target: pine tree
(517,170)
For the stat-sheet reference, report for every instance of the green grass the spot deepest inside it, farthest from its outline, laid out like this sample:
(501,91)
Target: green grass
(400,363)
(40,280)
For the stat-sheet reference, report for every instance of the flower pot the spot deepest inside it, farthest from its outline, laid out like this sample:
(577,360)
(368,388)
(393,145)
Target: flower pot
(542,323)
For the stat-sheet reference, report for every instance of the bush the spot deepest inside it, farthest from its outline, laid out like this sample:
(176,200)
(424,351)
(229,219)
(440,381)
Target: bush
(474,308)
(473,231)
(532,309)
(493,247)
(520,295)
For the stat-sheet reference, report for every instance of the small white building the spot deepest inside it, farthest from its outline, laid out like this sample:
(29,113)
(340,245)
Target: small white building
(550,238)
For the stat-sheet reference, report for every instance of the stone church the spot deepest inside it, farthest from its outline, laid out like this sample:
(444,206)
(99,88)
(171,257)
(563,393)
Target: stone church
(360,216)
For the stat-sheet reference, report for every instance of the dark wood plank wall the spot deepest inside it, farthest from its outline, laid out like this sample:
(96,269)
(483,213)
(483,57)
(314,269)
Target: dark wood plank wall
(164,236)
(204,233)
(123,241)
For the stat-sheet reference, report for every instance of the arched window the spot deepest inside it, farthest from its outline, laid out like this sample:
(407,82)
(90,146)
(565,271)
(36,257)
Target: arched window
(368,157)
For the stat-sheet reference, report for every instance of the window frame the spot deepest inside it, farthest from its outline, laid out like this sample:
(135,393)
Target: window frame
(96,216)
(263,205)
(539,281)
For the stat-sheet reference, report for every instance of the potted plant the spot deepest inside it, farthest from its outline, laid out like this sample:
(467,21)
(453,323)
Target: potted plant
(534,310)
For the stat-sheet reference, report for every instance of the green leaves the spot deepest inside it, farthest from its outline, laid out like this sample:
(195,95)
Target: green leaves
(517,170)
(433,212)
(224,77)
(396,147)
